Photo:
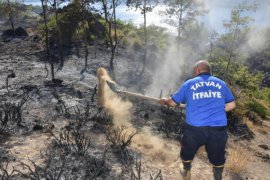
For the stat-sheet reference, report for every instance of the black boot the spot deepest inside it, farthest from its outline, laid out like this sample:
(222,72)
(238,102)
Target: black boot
(187,165)
(218,173)
(185,171)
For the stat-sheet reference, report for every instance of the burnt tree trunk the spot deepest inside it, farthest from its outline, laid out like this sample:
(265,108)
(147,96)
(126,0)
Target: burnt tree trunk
(231,51)
(110,21)
(44,9)
(11,17)
(180,24)
(145,38)
(59,33)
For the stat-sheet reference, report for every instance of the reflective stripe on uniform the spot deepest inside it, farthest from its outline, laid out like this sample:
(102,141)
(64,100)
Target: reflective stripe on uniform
(218,166)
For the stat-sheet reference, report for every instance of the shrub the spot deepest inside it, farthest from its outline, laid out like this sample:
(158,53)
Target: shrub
(120,138)
(49,171)
(11,111)
(137,46)
(72,140)
(265,95)
(136,171)
(257,107)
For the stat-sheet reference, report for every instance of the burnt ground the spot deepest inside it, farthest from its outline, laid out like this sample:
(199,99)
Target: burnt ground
(57,130)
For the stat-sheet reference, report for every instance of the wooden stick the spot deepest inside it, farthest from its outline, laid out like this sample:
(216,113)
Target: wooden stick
(144,97)
(139,96)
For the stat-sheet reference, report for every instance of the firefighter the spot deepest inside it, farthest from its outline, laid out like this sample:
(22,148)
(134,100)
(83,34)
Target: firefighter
(207,100)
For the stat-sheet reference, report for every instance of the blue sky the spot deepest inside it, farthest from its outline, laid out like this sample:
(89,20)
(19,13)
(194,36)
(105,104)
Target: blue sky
(218,11)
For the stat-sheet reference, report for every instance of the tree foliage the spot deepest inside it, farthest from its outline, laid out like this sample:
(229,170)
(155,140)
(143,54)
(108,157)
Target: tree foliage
(12,10)
(108,10)
(246,72)
(145,7)
(236,27)
(181,13)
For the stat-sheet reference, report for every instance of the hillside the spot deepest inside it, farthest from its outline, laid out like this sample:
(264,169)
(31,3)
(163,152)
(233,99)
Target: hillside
(57,130)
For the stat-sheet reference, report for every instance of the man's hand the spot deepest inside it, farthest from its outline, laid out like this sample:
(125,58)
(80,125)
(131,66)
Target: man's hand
(167,101)
(162,101)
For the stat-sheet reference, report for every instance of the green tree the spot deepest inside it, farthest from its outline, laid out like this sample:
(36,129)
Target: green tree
(181,13)
(11,9)
(145,6)
(157,36)
(109,12)
(84,8)
(46,30)
(212,38)
(55,4)
(238,24)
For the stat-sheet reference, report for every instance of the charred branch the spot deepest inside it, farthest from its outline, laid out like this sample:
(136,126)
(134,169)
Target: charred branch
(4,173)
(72,141)
(120,139)
(11,111)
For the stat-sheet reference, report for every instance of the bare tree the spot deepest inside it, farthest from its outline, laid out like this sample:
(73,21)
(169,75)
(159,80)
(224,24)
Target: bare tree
(109,12)
(84,7)
(44,4)
(55,5)
(212,38)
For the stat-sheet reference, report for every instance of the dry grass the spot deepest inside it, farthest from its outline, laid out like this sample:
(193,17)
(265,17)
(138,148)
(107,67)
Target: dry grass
(238,159)
(263,129)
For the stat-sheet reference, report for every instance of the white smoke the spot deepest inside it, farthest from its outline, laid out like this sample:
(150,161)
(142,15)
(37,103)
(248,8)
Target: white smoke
(173,67)
(256,40)
(167,73)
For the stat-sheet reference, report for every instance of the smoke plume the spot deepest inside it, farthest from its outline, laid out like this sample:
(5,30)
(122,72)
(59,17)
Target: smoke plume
(118,108)
(167,72)
(176,64)
(256,41)
(160,151)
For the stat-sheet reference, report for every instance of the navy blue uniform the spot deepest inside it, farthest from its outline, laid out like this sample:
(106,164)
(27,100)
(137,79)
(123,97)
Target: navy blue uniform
(205,97)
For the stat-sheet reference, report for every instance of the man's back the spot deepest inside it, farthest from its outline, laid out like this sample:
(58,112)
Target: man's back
(205,97)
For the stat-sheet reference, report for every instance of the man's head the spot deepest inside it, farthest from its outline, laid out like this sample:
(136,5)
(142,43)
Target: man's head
(201,67)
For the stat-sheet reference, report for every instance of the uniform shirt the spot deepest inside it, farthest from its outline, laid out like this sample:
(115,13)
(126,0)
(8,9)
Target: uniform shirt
(205,97)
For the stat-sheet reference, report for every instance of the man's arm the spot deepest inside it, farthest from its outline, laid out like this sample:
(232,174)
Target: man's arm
(177,98)
(230,106)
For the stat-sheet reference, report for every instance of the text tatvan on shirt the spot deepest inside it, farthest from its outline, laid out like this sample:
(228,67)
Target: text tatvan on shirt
(206,94)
